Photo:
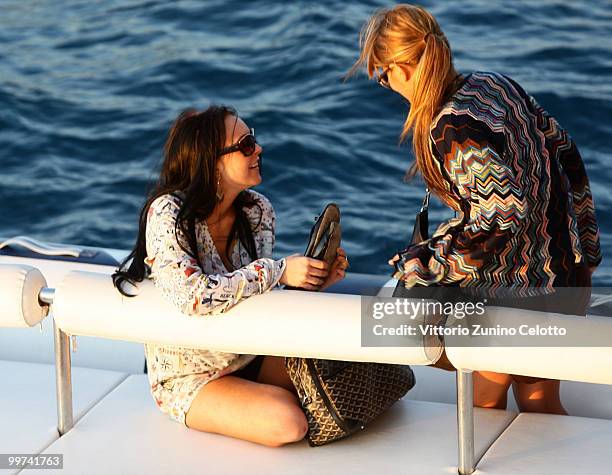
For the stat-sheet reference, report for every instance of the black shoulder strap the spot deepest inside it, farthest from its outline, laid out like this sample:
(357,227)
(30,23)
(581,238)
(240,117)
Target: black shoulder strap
(425,206)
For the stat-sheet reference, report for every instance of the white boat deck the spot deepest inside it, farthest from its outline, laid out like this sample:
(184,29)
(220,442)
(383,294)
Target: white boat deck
(127,430)
(118,428)
(28,409)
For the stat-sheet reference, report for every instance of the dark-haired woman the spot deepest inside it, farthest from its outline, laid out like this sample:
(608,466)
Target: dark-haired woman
(488,150)
(206,240)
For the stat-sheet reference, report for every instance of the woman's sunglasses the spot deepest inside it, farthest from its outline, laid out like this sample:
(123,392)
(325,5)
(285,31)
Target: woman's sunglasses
(246,144)
(383,79)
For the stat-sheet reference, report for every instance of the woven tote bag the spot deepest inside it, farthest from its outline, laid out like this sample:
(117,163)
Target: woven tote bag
(342,397)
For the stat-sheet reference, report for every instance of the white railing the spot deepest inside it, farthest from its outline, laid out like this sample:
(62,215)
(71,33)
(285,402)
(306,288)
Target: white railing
(288,323)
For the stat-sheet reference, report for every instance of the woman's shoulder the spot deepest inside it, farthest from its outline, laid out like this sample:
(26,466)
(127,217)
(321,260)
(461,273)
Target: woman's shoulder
(499,89)
(472,116)
(259,200)
(484,97)
(497,86)
(482,78)
(166,203)
(260,213)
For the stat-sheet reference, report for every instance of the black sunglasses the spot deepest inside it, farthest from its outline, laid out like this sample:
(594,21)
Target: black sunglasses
(246,144)
(383,79)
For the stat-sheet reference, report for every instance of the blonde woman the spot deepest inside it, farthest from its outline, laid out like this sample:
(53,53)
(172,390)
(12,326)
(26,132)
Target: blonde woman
(525,214)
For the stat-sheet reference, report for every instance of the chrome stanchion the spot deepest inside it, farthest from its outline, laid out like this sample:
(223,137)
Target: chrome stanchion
(63,381)
(46,296)
(465,421)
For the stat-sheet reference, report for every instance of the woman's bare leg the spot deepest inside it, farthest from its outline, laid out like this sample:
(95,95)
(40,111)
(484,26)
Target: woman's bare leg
(491,389)
(542,396)
(273,371)
(266,412)
(261,413)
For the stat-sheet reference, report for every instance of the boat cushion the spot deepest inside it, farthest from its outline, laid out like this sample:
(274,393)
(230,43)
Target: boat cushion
(584,354)
(28,410)
(19,288)
(544,443)
(281,322)
(30,345)
(580,399)
(127,433)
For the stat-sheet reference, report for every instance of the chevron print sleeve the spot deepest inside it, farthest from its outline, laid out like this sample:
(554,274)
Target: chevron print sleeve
(470,158)
(566,153)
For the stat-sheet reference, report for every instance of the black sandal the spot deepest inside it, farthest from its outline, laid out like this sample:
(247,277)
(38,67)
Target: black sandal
(325,235)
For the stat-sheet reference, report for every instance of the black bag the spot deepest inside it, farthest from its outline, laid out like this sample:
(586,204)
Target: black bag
(420,233)
(341,397)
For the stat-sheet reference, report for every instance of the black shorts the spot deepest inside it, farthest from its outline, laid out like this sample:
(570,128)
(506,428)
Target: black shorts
(250,371)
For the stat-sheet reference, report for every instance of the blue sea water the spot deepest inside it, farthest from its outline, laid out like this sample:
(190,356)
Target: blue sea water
(88,90)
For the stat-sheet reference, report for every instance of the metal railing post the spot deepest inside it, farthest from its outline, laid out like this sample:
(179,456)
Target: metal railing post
(63,381)
(465,421)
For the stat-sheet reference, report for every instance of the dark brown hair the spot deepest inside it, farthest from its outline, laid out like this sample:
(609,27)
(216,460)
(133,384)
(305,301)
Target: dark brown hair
(190,167)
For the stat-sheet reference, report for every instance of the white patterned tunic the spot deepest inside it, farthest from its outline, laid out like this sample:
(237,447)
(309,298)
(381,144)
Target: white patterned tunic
(176,374)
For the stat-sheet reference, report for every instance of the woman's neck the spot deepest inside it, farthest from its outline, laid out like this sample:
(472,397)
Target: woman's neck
(224,208)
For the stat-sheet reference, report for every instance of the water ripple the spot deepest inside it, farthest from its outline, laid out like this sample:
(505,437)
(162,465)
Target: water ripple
(88,91)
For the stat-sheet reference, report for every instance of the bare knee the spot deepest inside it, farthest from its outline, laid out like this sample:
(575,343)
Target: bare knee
(491,389)
(491,401)
(289,423)
(261,413)
(290,427)
(542,397)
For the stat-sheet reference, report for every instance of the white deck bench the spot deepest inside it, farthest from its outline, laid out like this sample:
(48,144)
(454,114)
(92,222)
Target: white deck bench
(541,443)
(124,432)
(17,344)
(28,410)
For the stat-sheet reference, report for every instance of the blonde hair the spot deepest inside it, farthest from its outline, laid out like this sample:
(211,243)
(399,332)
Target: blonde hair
(408,34)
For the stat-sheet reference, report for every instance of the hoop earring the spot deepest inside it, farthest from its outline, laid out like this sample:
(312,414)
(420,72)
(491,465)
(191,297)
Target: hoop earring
(219,190)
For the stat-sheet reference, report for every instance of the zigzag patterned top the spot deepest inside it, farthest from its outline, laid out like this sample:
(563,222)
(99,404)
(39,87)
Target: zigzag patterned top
(527,216)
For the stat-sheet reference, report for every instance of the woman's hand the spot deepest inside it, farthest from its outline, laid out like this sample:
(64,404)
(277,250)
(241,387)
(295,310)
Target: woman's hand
(338,269)
(304,272)
(398,273)
(393,260)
